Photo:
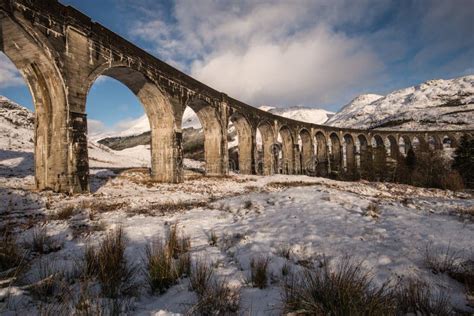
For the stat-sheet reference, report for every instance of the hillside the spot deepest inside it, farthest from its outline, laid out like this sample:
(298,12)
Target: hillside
(435,104)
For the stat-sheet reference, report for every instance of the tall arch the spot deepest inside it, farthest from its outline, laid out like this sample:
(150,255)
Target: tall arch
(215,144)
(379,157)
(335,161)
(365,157)
(350,150)
(307,152)
(246,143)
(35,61)
(287,163)
(394,147)
(405,144)
(269,149)
(434,143)
(321,155)
(162,113)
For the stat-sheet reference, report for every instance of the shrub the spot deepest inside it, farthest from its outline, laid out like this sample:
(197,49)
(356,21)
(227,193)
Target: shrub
(346,290)
(258,272)
(201,277)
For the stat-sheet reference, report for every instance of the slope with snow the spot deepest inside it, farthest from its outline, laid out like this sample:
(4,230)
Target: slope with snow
(435,104)
(299,113)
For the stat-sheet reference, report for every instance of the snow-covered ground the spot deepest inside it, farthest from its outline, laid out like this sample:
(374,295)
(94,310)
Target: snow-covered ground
(252,216)
(435,104)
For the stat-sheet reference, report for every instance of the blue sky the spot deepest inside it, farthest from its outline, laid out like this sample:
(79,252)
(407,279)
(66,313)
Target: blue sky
(281,52)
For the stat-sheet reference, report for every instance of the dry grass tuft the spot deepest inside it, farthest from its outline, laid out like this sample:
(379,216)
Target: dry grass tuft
(258,272)
(201,277)
(64,214)
(284,251)
(345,290)
(218,299)
(415,297)
(167,262)
(442,260)
(213,239)
(10,253)
(108,264)
(40,242)
(373,210)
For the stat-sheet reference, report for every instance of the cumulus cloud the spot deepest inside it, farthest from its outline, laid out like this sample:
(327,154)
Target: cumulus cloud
(306,52)
(9,75)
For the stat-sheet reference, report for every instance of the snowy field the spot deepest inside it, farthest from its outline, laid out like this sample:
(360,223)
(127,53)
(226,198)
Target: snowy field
(296,222)
(252,217)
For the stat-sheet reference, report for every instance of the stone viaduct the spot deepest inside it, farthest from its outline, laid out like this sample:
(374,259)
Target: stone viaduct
(60,52)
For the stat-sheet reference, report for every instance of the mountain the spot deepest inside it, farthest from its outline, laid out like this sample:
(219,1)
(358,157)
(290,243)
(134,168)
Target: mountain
(435,104)
(310,115)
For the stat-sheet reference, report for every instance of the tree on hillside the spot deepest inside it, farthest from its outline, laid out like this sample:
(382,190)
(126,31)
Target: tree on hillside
(464,160)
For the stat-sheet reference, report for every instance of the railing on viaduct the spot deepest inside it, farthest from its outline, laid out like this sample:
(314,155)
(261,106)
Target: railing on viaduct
(60,53)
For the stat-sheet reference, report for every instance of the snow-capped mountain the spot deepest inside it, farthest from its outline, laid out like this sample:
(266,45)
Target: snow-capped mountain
(435,104)
(310,115)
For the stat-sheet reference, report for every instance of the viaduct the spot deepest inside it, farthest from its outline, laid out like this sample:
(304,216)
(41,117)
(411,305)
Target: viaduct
(60,52)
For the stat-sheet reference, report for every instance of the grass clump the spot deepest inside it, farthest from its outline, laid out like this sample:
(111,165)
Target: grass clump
(219,298)
(166,262)
(344,290)
(40,242)
(108,264)
(10,252)
(213,239)
(415,297)
(258,272)
(64,213)
(201,277)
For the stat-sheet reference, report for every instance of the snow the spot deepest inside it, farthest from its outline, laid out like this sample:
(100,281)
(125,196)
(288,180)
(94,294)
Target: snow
(435,104)
(310,115)
(251,215)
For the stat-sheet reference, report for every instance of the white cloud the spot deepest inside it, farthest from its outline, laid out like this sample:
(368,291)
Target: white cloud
(265,52)
(95,127)
(9,74)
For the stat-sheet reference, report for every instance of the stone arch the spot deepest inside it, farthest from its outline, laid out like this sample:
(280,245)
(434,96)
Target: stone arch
(307,152)
(335,161)
(434,143)
(394,147)
(350,157)
(404,144)
(164,115)
(287,163)
(365,157)
(269,148)
(322,156)
(419,143)
(379,156)
(246,142)
(35,61)
(449,141)
(215,140)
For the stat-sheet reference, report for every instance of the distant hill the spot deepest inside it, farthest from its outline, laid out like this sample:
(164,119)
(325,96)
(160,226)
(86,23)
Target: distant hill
(435,104)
